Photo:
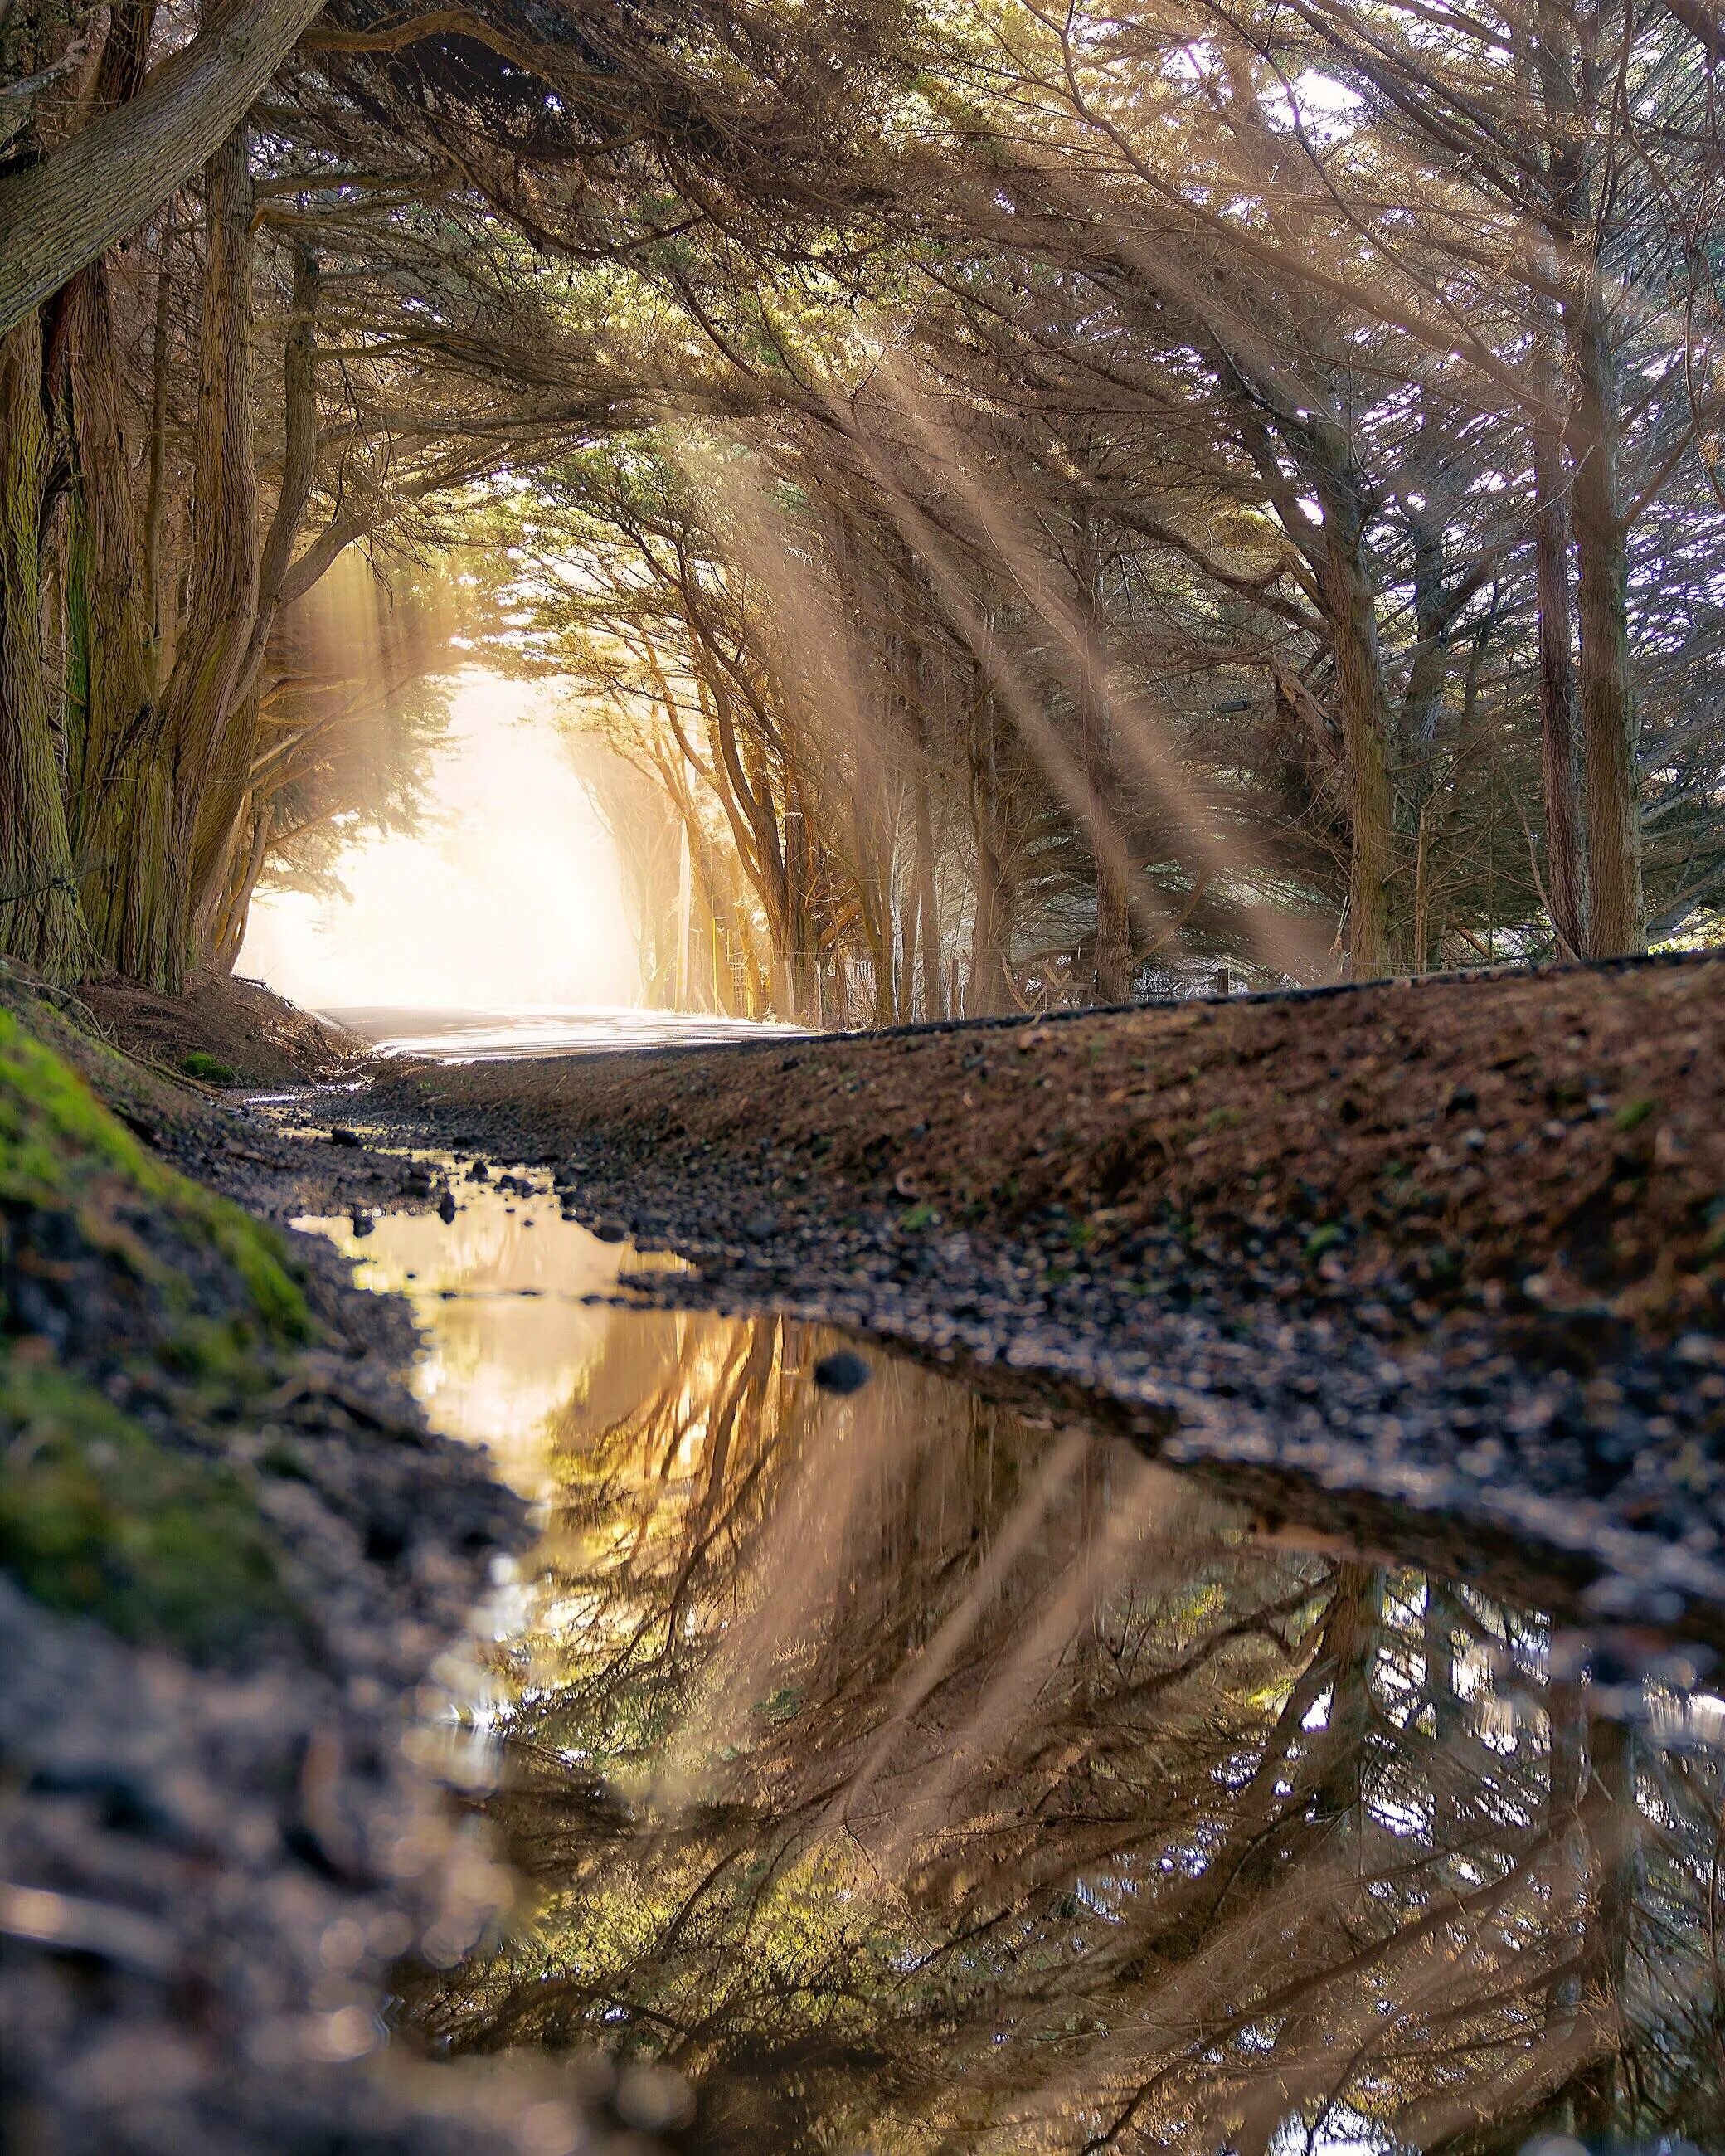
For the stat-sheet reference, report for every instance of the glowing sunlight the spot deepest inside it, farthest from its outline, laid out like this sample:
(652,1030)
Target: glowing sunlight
(509,896)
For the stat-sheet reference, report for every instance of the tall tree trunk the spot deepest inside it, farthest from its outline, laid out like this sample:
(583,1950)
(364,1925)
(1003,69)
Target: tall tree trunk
(155,498)
(1613,1824)
(1111,968)
(1560,738)
(222,814)
(986,994)
(223,597)
(1559,742)
(40,920)
(1375,948)
(928,895)
(117,783)
(56,217)
(228,930)
(1617,911)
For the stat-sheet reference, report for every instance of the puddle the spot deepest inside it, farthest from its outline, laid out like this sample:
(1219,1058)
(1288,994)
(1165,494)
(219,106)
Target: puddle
(908,1775)
(515,1304)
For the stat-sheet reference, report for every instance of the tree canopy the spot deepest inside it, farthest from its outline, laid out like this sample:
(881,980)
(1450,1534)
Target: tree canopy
(1040,503)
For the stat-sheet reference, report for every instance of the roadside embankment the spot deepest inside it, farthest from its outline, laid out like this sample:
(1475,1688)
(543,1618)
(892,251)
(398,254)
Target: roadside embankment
(222,1031)
(1459,1243)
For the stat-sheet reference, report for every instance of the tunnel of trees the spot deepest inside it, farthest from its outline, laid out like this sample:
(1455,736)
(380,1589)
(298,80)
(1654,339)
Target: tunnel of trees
(1039,503)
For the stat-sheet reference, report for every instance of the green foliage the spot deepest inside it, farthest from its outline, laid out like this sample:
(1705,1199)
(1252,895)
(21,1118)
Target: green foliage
(210,1068)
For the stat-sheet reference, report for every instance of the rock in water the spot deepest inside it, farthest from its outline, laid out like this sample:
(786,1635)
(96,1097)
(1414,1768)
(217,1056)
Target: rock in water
(446,1208)
(843,1372)
(611,1231)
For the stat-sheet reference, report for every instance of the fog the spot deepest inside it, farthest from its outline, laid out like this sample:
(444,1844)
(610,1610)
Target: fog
(509,896)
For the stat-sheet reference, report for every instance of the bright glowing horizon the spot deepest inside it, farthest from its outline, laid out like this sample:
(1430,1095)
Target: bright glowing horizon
(508,897)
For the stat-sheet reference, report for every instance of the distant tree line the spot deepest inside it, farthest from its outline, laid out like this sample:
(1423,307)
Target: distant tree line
(1043,504)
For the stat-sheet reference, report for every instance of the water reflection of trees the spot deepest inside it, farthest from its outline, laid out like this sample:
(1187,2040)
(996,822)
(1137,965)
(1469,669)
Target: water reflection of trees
(914,1777)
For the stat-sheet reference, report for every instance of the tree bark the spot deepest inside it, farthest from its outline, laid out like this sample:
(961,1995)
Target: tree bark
(928,895)
(40,920)
(1617,909)
(155,498)
(58,217)
(223,811)
(117,785)
(1559,745)
(223,597)
(1375,949)
(986,994)
(1111,966)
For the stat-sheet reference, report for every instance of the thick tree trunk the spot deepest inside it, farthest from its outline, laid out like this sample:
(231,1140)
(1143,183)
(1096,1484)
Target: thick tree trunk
(118,783)
(1617,911)
(58,217)
(155,498)
(40,920)
(1373,945)
(223,596)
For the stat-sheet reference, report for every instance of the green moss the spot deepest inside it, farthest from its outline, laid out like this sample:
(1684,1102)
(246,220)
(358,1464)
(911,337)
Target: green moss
(1633,1113)
(61,1150)
(258,1255)
(54,1136)
(201,1306)
(98,1518)
(210,1068)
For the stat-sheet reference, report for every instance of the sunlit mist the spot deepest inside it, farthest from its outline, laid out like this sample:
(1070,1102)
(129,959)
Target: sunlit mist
(509,895)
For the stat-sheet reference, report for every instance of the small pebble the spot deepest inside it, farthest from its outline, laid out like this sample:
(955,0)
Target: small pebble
(843,1372)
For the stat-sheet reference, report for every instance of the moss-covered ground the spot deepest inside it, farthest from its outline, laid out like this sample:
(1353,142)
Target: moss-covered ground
(141,1315)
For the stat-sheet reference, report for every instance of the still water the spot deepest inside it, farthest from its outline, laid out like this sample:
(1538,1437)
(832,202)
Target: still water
(912,1776)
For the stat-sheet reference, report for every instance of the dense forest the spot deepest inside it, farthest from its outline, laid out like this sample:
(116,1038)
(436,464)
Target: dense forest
(1038,505)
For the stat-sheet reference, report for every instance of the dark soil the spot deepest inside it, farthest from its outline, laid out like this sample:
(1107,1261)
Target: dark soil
(1453,1246)
(222,1032)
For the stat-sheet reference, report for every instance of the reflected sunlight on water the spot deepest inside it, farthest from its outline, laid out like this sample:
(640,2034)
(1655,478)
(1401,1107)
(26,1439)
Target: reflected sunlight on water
(510,1297)
(910,1775)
